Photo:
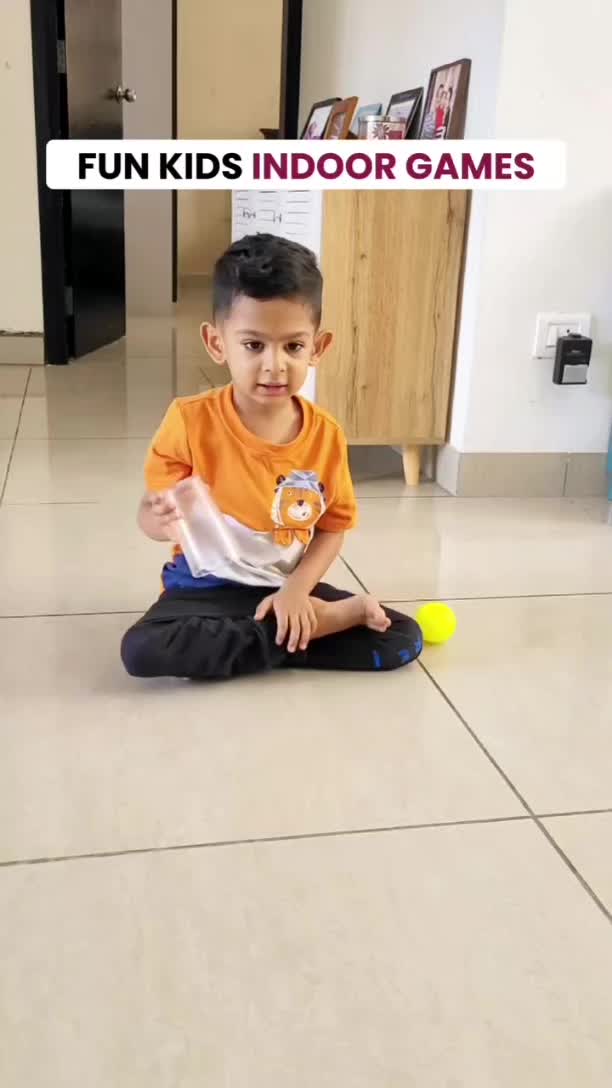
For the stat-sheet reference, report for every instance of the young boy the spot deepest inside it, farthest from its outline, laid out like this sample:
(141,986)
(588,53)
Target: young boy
(277,467)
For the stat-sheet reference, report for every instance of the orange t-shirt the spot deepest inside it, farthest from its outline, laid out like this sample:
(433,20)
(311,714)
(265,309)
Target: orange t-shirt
(272,497)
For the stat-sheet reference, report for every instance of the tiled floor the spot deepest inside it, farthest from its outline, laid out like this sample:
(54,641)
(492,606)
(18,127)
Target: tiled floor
(343,881)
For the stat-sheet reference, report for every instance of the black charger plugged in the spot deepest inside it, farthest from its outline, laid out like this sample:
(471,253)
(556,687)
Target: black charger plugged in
(572,359)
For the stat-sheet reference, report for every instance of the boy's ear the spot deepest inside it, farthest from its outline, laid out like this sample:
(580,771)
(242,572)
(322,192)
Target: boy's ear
(213,342)
(323,341)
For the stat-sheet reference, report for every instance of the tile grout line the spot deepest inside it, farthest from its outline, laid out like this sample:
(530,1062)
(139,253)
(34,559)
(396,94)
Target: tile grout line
(575,812)
(264,839)
(14,443)
(71,615)
(304,837)
(501,597)
(137,611)
(537,820)
(351,571)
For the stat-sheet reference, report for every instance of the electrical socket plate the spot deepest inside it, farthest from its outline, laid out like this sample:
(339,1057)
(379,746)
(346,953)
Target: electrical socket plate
(549,327)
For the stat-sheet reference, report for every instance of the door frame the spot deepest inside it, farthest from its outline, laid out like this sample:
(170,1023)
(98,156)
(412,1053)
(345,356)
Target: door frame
(291,69)
(51,124)
(288,121)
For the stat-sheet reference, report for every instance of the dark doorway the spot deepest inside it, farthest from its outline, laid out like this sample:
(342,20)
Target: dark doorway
(78,94)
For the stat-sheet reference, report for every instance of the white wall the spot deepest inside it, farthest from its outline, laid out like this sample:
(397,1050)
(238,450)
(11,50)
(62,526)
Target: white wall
(229,61)
(373,50)
(549,251)
(538,70)
(20,265)
(147,68)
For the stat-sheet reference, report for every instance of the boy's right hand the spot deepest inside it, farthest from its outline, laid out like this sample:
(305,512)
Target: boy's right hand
(161,515)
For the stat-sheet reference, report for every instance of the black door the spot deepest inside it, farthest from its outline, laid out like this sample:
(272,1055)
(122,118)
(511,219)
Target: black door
(78,94)
(96,261)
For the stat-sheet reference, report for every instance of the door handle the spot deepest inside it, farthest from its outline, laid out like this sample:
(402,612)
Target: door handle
(124,94)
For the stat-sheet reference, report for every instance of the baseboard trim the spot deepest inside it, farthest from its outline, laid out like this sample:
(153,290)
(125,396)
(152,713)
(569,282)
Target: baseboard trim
(521,475)
(22,349)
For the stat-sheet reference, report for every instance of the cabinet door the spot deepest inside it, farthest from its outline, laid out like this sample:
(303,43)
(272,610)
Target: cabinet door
(392,266)
(243,213)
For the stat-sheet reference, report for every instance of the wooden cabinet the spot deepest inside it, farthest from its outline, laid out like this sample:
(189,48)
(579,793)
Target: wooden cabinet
(392,265)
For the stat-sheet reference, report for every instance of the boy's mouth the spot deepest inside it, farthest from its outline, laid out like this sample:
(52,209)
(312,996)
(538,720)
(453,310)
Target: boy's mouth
(274,389)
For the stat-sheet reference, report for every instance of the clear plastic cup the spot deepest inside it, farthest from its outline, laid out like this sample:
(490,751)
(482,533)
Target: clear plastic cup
(204,535)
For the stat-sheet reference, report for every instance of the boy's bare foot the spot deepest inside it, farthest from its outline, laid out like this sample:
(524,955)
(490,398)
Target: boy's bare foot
(375,616)
(359,611)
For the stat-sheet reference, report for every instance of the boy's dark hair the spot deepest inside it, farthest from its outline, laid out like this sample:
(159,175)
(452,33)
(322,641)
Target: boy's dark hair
(264,266)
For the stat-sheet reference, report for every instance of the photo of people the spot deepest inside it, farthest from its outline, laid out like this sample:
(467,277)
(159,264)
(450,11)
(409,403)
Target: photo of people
(317,123)
(444,118)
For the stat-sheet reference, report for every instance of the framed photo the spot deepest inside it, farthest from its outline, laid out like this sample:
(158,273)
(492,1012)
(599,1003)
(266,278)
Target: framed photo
(446,102)
(315,126)
(365,111)
(341,119)
(405,106)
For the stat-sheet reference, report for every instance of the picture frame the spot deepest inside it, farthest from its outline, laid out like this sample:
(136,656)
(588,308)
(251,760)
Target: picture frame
(446,102)
(341,119)
(374,110)
(316,122)
(406,106)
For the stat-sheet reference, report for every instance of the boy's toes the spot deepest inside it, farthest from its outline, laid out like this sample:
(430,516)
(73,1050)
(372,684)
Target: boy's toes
(375,616)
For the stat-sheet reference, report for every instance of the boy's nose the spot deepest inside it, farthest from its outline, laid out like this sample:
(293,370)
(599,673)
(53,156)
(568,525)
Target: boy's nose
(276,361)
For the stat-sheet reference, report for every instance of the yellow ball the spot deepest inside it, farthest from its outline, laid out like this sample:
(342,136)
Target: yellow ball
(438,623)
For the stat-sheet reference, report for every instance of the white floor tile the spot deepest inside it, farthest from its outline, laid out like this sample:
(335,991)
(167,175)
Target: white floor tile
(94,760)
(76,558)
(453,956)
(533,679)
(68,470)
(406,550)
(13,381)
(107,398)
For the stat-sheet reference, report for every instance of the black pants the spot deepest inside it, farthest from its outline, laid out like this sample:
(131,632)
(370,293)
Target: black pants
(210,633)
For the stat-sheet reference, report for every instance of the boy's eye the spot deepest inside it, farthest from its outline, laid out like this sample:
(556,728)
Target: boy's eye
(294,347)
(253,345)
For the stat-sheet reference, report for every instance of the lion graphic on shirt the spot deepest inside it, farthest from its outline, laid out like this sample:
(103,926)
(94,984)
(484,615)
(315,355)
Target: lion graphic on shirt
(299,502)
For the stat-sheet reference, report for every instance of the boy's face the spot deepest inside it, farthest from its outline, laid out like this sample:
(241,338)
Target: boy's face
(267,346)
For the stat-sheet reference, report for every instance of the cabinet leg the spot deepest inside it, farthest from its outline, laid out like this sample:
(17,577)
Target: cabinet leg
(411,457)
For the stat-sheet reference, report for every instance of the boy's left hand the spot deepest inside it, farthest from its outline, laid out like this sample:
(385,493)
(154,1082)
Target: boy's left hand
(295,617)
